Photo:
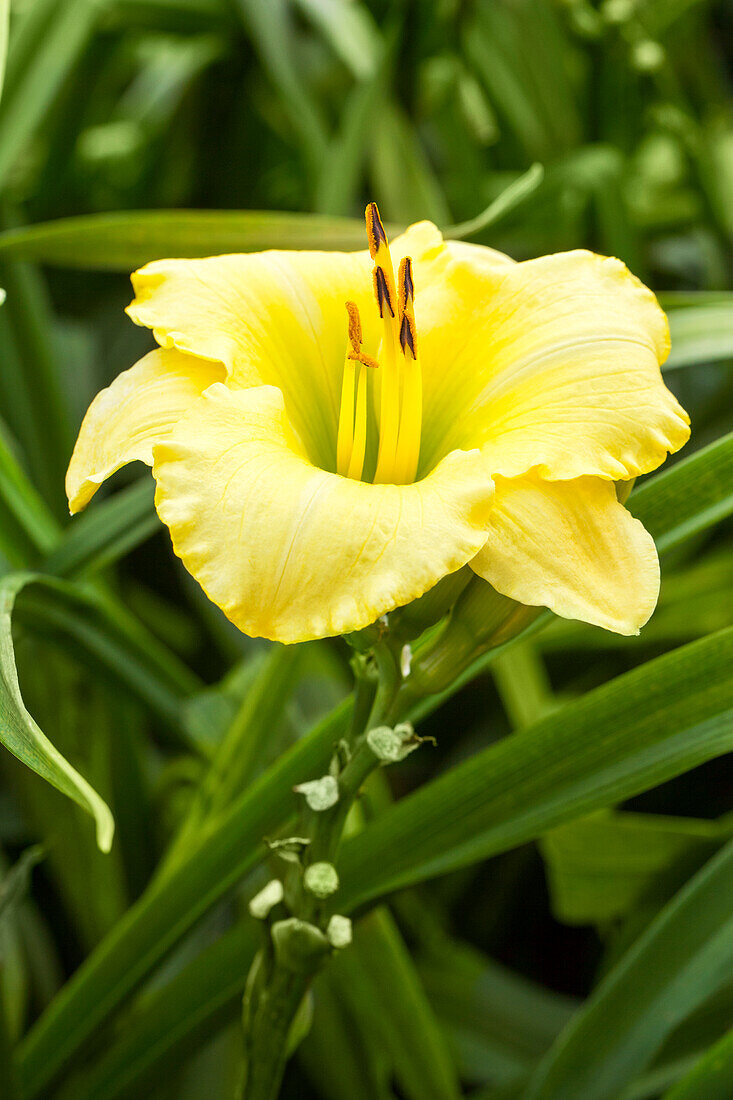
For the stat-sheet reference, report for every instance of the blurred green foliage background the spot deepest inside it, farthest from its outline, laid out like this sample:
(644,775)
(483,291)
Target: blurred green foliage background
(433,109)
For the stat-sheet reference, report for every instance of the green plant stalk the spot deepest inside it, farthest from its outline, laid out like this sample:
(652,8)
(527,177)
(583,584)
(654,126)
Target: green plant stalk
(279,980)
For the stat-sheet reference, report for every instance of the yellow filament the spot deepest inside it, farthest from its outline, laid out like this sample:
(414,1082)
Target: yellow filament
(389,411)
(356,462)
(345,441)
(408,444)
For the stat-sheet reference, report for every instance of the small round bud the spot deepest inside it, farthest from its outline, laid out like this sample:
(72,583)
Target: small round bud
(338,931)
(615,12)
(647,56)
(321,880)
(320,794)
(268,897)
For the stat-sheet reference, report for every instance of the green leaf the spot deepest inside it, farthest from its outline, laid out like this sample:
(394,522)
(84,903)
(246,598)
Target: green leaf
(167,910)
(171,1020)
(271,30)
(161,918)
(242,746)
(48,45)
(498,1022)
(27,527)
(700,334)
(22,736)
(710,1078)
(4,28)
(350,29)
(34,403)
(683,957)
(14,885)
(401,174)
(623,738)
(399,1010)
(334,1054)
(601,867)
(690,496)
(105,533)
(126,240)
(504,204)
(115,643)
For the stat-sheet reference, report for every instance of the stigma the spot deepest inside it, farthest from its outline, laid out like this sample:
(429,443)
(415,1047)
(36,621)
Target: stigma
(392,382)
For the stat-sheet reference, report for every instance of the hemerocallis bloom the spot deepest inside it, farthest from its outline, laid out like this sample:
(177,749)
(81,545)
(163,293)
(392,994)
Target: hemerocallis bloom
(332,433)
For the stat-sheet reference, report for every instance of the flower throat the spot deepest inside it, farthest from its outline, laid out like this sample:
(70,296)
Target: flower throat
(400,377)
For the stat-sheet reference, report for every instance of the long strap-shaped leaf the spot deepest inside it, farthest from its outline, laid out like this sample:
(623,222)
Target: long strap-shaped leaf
(623,738)
(684,956)
(711,1078)
(112,641)
(152,927)
(124,241)
(25,739)
(688,497)
(165,913)
(645,727)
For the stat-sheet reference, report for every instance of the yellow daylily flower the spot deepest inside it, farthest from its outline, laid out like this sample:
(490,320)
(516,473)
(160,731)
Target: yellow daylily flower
(333,433)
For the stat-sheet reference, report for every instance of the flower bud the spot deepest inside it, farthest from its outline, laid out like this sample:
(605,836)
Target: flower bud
(647,56)
(339,931)
(321,879)
(482,619)
(268,897)
(298,944)
(416,617)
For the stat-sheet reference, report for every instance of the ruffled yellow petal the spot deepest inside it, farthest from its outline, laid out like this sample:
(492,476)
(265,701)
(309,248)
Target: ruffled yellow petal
(290,552)
(570,546)
(551,364)
(275,318)
(124,421)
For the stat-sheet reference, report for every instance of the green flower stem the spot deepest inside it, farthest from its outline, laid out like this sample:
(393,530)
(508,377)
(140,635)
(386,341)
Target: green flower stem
(296,944)
(267,1041)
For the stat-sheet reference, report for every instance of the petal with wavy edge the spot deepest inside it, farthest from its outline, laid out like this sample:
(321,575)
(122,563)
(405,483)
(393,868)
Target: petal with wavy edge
(278,318)
(290,552)
(550,364)
(275,318)
(570,546)
(124,420)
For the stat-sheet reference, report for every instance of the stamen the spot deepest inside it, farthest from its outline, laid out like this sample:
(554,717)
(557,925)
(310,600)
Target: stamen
(385,294)
(356,462)
(345,441)
(400,401)
(408,443)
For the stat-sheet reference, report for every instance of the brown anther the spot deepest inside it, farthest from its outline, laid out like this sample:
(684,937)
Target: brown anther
(406,285)
(362,357)
(354,326)
(381,291)
(375,230)
(408,337)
